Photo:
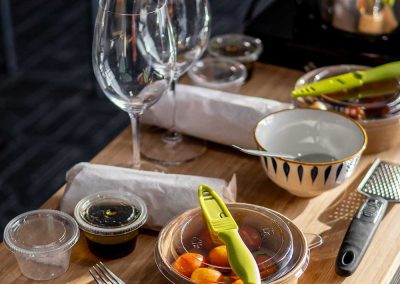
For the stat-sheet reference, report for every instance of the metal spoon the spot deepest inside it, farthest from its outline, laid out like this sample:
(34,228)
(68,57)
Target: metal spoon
(264,153)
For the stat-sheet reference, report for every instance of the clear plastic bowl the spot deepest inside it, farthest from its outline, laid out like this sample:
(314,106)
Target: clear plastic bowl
(380,116)
(238,47)
(218,73)
(110,221)
(283,243)
(42,240)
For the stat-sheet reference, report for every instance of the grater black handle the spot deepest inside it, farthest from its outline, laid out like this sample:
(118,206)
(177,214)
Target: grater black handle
(359,234)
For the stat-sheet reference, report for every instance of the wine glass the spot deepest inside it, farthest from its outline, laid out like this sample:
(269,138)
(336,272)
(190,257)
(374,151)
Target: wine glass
(133,57)
(191,25)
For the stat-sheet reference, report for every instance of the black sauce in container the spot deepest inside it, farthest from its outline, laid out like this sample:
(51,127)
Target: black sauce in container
(110,221)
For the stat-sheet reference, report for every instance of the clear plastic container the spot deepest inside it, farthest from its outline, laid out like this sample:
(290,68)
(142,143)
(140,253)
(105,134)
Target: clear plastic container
(218,73)
(283,248)
(379,115)
(238,47)
(42,240)
(110,221)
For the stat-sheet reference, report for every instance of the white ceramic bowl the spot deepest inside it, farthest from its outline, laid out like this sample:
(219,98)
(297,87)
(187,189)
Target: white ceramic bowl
(329,146)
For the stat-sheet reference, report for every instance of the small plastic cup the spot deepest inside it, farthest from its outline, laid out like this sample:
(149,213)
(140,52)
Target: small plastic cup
(41,241)
(218,73)
(110,221)
(238,47)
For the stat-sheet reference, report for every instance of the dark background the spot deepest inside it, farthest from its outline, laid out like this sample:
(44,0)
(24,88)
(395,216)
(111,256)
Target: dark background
(51,116)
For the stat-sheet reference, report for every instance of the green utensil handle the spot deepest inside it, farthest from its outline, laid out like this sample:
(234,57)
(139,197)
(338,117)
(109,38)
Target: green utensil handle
(240,258)
(382,72)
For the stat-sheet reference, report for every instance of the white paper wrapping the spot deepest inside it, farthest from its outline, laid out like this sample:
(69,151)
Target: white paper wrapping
(212,115)
(166,195)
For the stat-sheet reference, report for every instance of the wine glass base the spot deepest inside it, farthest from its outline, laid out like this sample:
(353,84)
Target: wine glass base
(174,151)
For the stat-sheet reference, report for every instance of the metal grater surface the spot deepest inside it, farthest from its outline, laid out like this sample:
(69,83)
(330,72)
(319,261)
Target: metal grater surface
(384,182)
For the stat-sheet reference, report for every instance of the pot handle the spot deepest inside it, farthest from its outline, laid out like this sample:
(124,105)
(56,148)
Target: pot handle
(313,240)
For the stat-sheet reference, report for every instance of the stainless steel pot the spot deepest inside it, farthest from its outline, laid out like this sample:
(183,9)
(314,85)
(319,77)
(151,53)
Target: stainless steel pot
(367,17)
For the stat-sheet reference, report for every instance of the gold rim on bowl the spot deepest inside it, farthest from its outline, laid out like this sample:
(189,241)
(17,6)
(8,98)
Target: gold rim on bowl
(359,151)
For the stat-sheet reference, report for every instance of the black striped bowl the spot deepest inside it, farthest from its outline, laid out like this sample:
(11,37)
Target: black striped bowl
(329,146)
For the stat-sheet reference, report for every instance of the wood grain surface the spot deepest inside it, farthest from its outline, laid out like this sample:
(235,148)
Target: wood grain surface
(328,214)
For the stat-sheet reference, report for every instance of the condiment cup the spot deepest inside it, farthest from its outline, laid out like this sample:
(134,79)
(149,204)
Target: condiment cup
(42,240)
(328,146)
(379,115)
(110,221)
(280,248)
(218,73)
(238,47)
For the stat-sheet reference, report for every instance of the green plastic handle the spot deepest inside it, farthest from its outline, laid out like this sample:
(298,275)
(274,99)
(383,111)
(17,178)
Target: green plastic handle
(240,258)
(382,72)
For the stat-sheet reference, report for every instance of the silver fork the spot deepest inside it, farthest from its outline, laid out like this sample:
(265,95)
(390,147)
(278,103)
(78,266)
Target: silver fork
(103,275)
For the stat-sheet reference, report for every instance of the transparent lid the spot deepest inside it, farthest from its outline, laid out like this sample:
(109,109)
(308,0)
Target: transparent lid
(218,73)
(266,235)
(239,47)
(111,213)
(371,101)
(299,260)
(40,232)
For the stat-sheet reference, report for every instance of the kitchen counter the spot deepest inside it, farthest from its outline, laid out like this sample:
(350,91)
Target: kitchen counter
(327,215)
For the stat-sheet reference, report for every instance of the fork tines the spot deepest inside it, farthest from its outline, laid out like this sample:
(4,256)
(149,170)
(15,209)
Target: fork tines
(102,275)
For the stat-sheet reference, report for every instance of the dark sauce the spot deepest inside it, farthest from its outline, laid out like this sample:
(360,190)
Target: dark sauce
(112,215)
(236,50)
(112,251)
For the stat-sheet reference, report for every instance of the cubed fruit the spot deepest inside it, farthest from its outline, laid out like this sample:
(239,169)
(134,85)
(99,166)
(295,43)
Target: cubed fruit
(219,256)
(207,276)
(251,237)
(206,240)
(186,263)
(266,268)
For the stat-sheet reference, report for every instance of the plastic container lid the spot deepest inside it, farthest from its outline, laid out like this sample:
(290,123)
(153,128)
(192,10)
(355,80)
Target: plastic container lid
(41,231)
(276,237)
(218,73)
(239,47)
(186,234)
(370,108)
(302,244)
(111,213)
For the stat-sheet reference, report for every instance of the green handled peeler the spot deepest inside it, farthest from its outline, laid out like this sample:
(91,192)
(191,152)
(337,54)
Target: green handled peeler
(349,80)
(222,226)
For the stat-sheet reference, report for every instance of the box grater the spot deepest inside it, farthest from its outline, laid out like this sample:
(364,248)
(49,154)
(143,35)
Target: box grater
(381,185)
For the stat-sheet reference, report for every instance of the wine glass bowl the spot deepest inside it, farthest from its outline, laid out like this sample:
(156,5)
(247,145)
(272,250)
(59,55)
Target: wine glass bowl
(133,56)
(190,22)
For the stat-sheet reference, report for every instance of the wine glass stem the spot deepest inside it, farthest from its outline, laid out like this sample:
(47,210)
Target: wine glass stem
(173,92)
(135,124)
(171,136)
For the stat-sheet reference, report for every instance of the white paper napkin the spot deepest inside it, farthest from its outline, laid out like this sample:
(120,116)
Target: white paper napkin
(166,195)
(212,115)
